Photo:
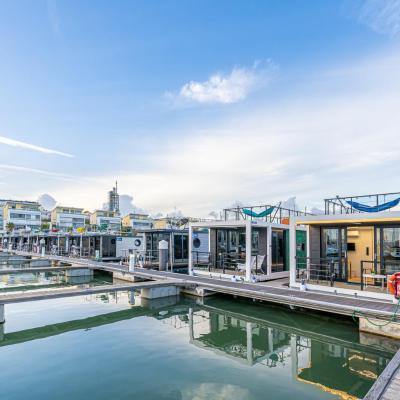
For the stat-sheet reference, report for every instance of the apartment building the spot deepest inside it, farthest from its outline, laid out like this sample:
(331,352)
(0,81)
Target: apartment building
(137,221)
(21,214)
(65,218)
(107,220)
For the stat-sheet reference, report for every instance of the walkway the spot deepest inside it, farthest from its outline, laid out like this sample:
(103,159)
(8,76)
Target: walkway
(327,302)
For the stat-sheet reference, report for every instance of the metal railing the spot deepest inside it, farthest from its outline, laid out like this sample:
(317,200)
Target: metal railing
(277,216)
(339,205)
(379,270)
(225,262)
(316,270)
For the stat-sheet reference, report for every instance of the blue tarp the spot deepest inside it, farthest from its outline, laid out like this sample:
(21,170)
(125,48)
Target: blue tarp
(264,213)
(380,207)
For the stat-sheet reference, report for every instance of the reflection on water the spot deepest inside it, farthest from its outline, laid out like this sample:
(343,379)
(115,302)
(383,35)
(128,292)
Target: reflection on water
(39,280)
(186,349)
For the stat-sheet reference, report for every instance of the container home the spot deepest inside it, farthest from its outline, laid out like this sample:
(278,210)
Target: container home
(251,243)
(353,248)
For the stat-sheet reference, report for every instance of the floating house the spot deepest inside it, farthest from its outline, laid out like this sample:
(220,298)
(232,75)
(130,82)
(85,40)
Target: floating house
(251,243)
(104,245)
(353,247)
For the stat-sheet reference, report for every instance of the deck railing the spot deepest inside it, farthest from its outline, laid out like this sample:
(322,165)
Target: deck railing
(225,262)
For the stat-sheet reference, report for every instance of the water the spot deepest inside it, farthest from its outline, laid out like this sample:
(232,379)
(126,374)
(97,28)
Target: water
(115,346)
(48,280)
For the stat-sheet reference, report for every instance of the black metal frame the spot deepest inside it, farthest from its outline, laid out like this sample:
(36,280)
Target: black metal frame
(337,205)
(275,217)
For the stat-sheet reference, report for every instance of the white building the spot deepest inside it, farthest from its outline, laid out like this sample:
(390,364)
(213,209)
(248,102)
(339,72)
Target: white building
(22,214)
(65,218)
(107,220)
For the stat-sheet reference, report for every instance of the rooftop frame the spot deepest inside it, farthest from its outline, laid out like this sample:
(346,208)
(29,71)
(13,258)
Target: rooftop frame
(338,205)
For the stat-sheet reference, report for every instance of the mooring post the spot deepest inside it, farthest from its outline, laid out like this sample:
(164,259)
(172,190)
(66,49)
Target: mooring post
(162,255)
(42,246)
(132,262)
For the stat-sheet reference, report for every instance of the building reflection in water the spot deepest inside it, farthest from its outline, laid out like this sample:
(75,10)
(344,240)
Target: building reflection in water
(343,366)
(314,349)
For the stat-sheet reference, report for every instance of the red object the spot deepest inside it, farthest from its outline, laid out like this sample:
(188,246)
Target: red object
(394,284)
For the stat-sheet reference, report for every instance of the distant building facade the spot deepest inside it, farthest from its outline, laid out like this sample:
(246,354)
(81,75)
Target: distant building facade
(137,221)
(65,218)
(21,214)
(109,220)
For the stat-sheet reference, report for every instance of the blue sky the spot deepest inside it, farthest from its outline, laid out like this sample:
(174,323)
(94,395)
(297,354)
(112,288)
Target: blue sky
(196,104)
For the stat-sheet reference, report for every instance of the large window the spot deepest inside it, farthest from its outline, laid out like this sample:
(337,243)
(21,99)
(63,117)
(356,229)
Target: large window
(388,244)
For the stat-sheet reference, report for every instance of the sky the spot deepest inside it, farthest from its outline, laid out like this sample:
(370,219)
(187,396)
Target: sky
(194,105)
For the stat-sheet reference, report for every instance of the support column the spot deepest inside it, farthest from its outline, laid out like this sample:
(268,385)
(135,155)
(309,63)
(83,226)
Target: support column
(2,314)
(190,239)
(248,251)
(294,356)
(101,247)
(249,337)
(269,250)
(131,296)
(80,246)
(292,251)
(191,329)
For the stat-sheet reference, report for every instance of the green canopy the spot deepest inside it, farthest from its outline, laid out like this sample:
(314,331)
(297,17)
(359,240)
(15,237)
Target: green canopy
(262,214)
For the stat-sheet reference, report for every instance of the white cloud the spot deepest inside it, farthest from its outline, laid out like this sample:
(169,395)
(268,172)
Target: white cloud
(336,135)
(228,88)
(382,16)
(47,201)
(17,168)
(28,146)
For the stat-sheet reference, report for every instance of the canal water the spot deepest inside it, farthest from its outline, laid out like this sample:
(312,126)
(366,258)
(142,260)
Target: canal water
(118,346)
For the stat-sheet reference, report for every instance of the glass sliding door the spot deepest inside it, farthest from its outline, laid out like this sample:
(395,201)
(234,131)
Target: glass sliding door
(333,249)
(279,252)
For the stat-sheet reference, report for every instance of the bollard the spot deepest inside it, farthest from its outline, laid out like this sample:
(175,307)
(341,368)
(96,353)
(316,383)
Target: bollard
(162,255)
(132,262)
(42,243)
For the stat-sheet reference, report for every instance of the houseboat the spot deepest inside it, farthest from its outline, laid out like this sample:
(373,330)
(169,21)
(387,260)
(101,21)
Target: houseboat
(250,243)
(353,248)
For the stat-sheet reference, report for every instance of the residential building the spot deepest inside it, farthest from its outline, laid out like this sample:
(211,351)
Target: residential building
(137,221)
(107,220)
(65,218)
(22,214)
